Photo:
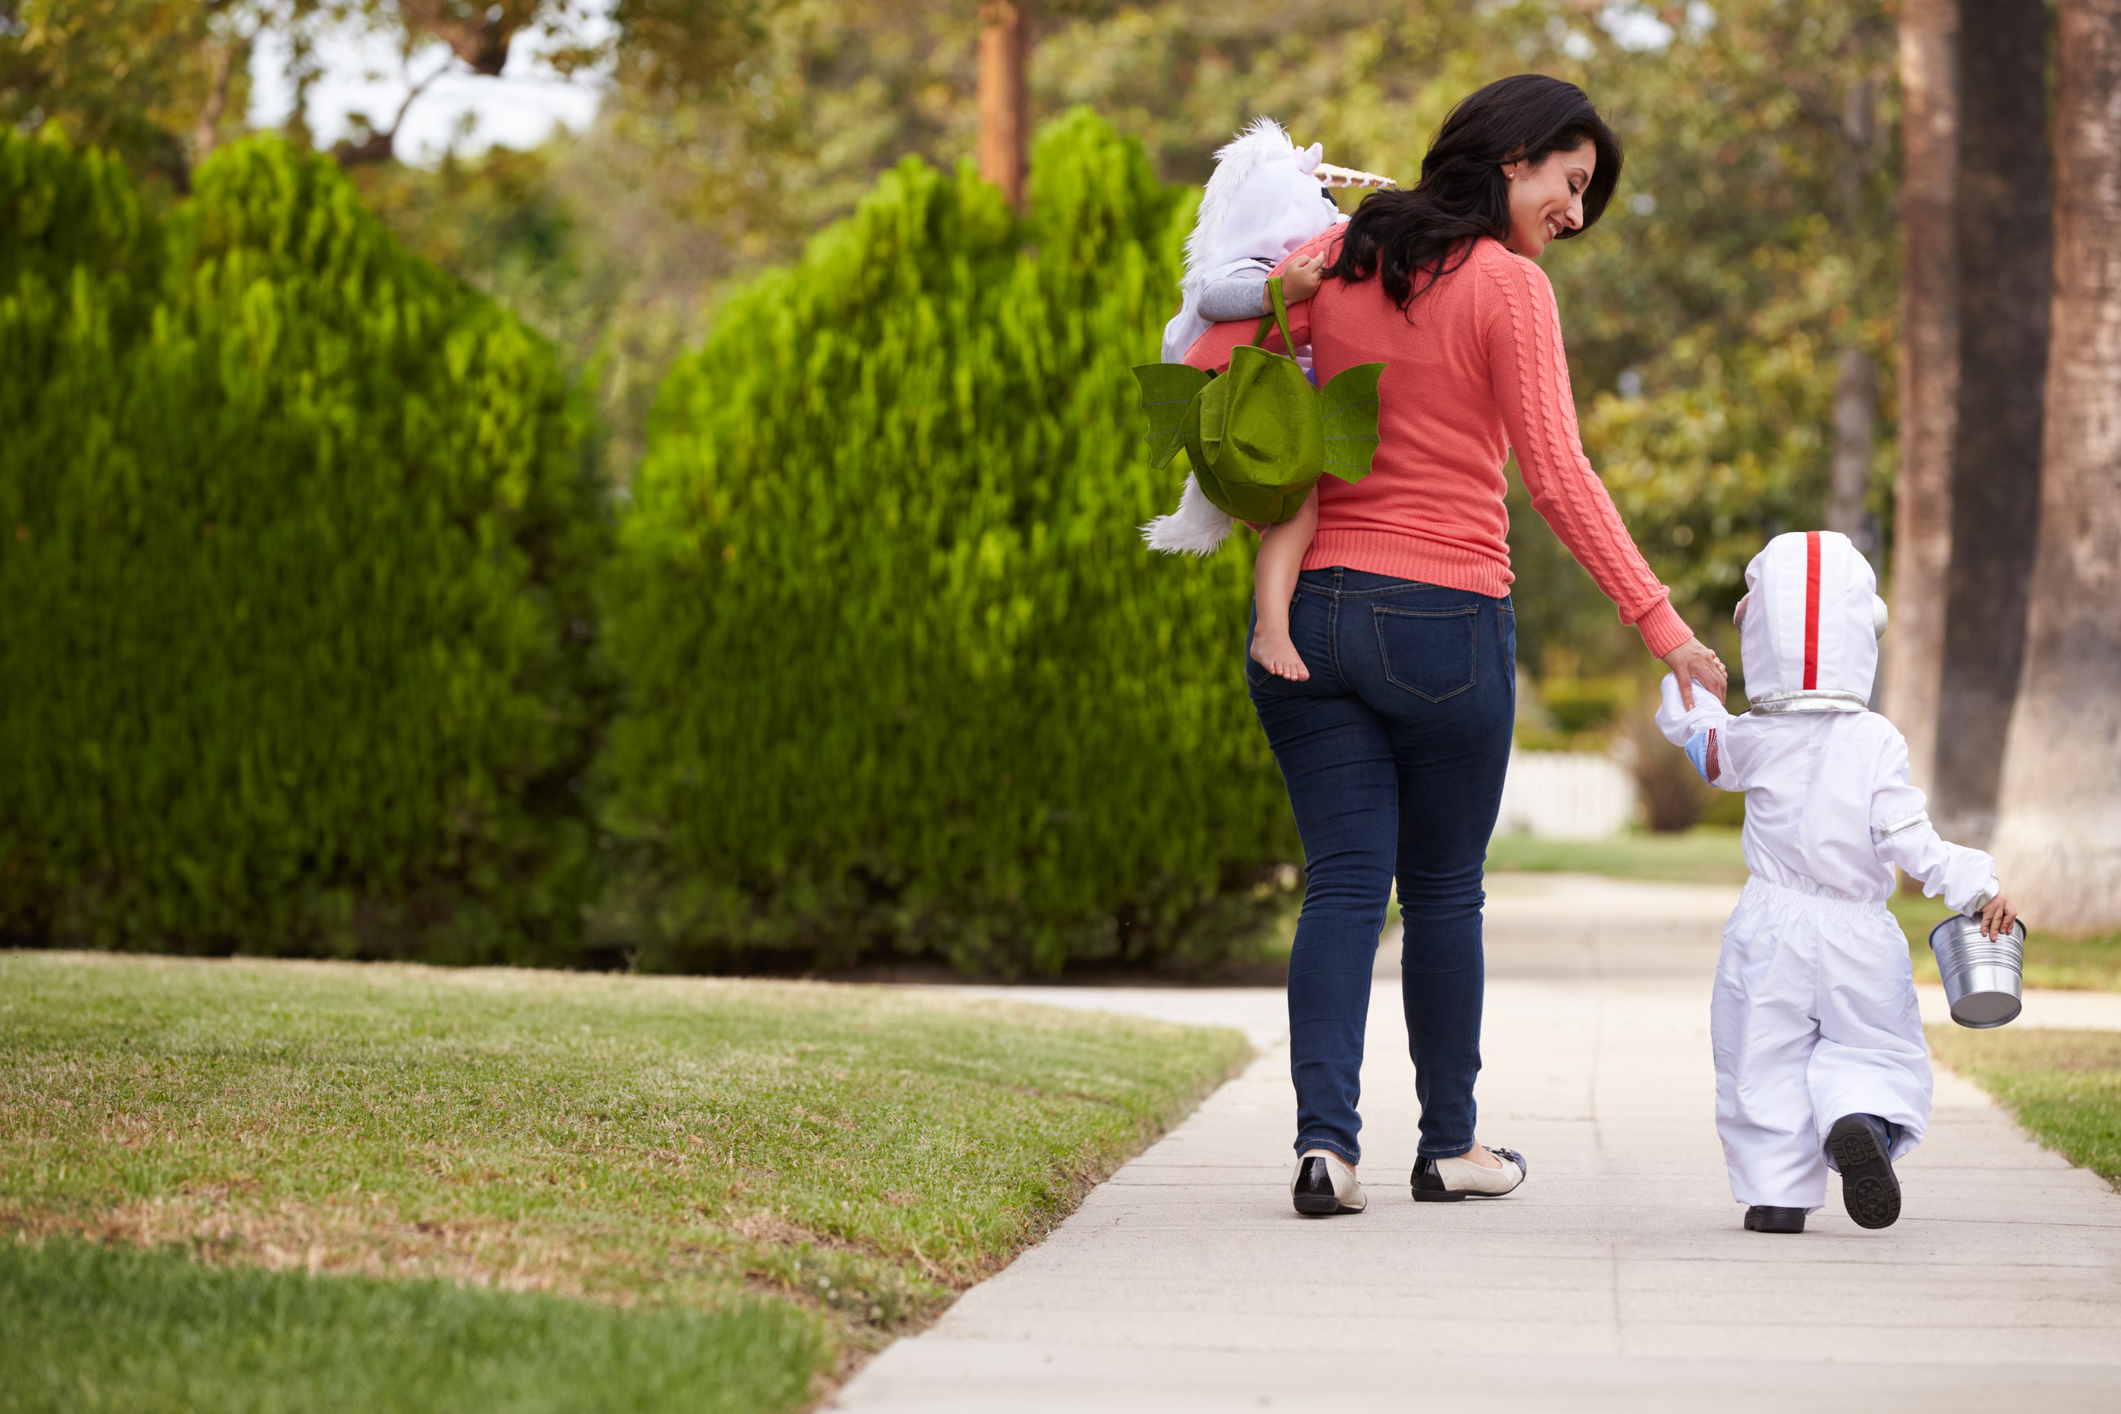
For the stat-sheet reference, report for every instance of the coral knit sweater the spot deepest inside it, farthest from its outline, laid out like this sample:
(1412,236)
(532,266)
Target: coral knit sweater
(1475,371)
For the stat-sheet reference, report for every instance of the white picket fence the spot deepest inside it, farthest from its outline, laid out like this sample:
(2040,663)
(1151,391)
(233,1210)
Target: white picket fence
(1566,795)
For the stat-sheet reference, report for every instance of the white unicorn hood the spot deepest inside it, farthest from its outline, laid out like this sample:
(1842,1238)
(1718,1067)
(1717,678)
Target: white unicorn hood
(1809,624)
(1264,200)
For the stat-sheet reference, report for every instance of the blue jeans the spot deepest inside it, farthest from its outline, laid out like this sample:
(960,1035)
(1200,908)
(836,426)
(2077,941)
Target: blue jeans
(1394,753)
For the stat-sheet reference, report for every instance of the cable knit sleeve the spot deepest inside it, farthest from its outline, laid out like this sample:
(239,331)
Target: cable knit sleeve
(1530,375)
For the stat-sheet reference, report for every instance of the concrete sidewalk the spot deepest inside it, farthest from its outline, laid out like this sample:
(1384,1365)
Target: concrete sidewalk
(1617,1278)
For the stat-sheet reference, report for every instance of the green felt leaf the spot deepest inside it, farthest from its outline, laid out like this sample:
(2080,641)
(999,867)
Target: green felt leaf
(1347,409)
(1253,437)
(1168,389)
(1259,437)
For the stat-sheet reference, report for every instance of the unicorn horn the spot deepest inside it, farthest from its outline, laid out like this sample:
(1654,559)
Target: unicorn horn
(1332,176)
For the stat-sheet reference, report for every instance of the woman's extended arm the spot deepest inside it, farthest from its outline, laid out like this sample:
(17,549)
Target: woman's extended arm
(1530,376)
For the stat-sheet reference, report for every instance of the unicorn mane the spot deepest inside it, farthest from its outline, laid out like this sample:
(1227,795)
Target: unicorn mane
(1235,162)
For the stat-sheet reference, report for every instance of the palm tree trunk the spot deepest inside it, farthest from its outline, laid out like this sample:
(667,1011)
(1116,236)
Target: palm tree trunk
(1929,374)
(2058,840)
(2005,254)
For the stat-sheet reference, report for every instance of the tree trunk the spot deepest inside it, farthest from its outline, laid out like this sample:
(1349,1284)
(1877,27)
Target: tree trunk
(1856,380)
(2058,840)
(221,61)
(1855,393)
(1002,48)
(1913,659)
(2005,254)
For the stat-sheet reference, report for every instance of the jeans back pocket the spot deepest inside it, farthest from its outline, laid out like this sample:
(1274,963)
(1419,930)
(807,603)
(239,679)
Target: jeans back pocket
(1429,652)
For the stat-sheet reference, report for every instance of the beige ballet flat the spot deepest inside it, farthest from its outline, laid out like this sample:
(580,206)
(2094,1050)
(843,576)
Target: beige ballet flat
(1324,1186)
(1449,1180)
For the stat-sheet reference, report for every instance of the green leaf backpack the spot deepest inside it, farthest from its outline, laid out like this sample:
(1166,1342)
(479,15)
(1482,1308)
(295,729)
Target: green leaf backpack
(1259,436)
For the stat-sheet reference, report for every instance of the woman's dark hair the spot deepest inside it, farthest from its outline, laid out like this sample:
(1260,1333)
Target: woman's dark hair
(1414,238)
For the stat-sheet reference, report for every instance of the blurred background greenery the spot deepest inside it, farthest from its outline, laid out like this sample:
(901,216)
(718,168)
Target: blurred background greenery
(1752,241)
(1730,325)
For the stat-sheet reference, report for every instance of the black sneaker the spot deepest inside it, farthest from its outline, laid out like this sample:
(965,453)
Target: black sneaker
(1863,1152)
(1759,1219)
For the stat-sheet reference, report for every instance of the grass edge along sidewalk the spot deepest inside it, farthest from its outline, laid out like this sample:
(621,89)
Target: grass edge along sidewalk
(585,1161)
(2064,1086)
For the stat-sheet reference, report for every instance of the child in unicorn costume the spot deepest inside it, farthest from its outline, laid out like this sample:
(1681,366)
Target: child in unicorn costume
(1262,203)
(1820,1059)
(1266,199)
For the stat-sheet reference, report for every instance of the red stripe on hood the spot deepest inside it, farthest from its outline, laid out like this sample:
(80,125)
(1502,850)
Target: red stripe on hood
(1811,610)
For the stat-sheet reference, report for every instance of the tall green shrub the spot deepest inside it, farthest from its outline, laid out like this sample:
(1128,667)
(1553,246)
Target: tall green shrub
(295,544)
(900,673)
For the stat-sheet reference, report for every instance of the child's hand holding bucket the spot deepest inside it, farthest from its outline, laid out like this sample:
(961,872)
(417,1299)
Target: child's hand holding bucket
(1997,915)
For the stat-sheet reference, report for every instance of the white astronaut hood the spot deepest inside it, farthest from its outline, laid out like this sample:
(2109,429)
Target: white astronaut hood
(1264,200)
(1809,625)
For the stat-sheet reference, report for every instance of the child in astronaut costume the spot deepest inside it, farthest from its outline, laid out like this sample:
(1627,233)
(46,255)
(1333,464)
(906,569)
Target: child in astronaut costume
(1266,199)
(1820,1058)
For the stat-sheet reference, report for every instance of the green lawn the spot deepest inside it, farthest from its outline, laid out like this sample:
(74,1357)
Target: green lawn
(1707,854)
(119,1328)
(732,1165)
(2064,1086)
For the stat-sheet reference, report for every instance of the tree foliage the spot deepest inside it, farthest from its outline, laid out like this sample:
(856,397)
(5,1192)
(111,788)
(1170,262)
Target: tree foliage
(140,78)
(296,554)
(899,673)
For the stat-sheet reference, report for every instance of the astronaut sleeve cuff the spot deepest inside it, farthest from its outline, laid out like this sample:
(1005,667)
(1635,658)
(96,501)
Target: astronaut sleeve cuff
(1983,896)
(1679,724)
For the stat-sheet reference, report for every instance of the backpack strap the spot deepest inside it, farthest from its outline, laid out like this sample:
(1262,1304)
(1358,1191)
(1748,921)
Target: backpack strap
(1279,319)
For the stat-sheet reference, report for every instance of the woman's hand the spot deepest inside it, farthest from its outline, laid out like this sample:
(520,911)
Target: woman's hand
(1692,661)
(1300,281)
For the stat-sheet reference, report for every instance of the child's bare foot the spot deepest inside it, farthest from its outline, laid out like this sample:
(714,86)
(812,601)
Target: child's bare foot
(1273,651)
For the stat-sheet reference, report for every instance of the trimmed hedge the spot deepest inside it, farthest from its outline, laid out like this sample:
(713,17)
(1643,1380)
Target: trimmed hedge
(296,547)
(900,675)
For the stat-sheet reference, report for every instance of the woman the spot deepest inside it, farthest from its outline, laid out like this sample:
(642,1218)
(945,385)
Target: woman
(1394,748)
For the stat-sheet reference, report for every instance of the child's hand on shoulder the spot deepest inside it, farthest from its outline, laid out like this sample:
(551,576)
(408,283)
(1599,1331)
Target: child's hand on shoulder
(1301,280)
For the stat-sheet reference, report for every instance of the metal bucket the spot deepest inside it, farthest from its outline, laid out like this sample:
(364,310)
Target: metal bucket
(1983,977)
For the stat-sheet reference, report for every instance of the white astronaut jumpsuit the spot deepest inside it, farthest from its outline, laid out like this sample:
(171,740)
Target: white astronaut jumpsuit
(1814,1013)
